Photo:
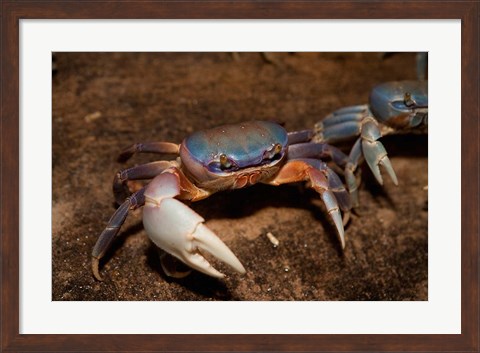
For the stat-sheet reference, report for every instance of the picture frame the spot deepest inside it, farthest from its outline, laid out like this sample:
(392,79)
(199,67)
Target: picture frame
(12,12)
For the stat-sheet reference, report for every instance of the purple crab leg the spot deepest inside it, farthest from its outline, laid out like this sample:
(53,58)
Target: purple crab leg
(323,150)
(105,239)
(341,132)
(350,109)
(319,183)
(348,163)
(353,121)
(354,159)
(148,147)
(342,124)
(334,182)
(298,170)
(352,113)
(300,136)
(144,171)
(348,115)
(318,150)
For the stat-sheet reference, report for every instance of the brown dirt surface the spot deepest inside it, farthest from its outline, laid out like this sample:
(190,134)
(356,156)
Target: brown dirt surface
(103,102)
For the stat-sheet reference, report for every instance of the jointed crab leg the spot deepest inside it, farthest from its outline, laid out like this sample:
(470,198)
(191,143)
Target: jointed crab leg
(318,150)
(299,136)
(177,229)
(114,224)
(148,147)
(351,121)
(335,185)
(298,170)
(374,151)
(348,163)
(354,159)
(341,124)
(346,114)
(144,171)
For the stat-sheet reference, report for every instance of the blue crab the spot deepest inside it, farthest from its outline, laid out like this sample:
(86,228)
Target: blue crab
(394,108)
(226,157)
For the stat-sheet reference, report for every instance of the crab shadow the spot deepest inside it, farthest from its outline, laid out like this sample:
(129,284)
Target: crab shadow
(411,146)
(195,282)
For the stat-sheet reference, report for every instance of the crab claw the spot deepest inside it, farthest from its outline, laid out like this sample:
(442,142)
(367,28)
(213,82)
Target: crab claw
(375,153)
(178,230)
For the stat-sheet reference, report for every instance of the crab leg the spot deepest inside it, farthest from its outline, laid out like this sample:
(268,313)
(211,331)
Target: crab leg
(144,171)
(334,183)
(374,151)
(299,136)
(354,159)
(298,170)
(148,147)
(353,121)
(341,124)
(318,150)
(351,113)
(177,229)
(348,163)
(111,230)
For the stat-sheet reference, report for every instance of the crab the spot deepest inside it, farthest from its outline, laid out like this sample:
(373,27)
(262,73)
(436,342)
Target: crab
(227,157)
(397,107)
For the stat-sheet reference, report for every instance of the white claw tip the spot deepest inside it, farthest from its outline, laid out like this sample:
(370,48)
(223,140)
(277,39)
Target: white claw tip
(388,167)
(377,175)
(337,219)
(242,270)
(205,239)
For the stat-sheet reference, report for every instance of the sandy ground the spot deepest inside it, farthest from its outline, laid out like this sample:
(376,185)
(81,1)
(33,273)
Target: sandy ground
(102,102)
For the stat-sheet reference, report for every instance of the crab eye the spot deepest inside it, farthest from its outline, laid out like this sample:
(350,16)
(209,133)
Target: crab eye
(408,100)
(277,148)
(222,163)
(225,163)
(273,152)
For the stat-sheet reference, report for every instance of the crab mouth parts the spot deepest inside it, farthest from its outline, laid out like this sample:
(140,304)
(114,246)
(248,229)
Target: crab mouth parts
(248,170)
(250,178)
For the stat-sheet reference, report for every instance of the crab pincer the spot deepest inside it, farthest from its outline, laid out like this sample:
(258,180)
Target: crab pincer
(374,151)
(178,230)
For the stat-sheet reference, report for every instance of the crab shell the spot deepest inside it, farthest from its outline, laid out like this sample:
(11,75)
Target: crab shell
(250,149)
(392,102)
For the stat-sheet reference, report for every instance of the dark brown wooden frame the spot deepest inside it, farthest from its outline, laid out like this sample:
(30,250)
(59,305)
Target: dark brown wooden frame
(13,11)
